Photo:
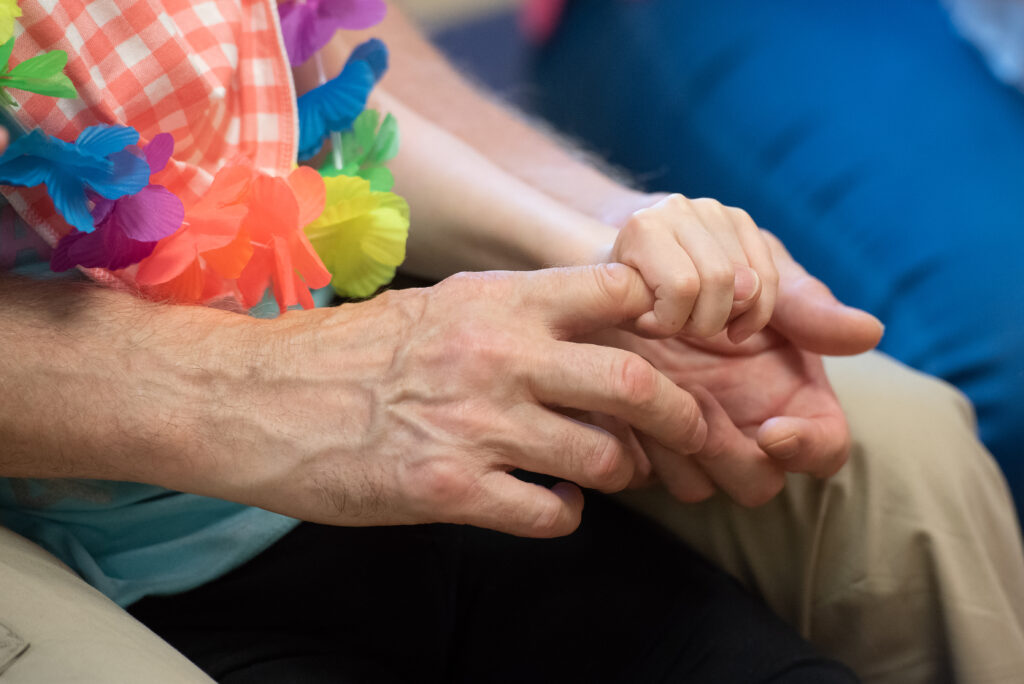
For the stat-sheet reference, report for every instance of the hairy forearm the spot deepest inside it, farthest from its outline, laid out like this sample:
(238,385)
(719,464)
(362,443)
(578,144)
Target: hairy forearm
(470,214)
(486,190)
(99,384)
(424,81)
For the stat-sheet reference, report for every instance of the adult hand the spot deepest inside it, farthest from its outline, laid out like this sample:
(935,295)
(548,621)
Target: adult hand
(415,406)
(768,404)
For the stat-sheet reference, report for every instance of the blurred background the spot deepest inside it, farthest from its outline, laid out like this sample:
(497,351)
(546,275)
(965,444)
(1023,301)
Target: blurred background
(440,14)
(482,37)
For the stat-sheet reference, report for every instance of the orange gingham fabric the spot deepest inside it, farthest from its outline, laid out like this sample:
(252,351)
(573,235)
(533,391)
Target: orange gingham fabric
(212,73)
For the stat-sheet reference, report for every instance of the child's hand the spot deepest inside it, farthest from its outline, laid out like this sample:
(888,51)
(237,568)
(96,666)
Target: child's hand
(708,266)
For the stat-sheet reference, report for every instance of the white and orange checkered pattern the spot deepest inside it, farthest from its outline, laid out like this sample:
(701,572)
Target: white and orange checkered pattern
(213,73)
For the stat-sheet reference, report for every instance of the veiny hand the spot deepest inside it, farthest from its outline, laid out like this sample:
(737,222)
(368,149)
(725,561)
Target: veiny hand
(415,406)
(707,264)
(768,404)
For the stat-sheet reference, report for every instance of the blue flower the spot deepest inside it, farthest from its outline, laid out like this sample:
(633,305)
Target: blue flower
(99,161)
(333,106)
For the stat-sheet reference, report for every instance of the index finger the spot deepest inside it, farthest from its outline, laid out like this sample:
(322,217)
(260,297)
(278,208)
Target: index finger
(622,384)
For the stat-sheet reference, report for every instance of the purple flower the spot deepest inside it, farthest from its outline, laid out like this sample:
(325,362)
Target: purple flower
(307,25)
(98,161)
(127,229)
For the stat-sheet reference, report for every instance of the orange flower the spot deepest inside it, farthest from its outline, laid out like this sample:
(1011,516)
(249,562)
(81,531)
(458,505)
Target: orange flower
(193,264)
(243,234)
(278,211)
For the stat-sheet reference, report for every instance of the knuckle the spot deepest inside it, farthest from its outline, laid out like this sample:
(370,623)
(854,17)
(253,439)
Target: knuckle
(481,348)
(677,202)
(612,281)
(455,282)
(638,381)
(719,275)
(709,207)
(643,227)
(682,287)
(440,484)
(707,204)
(740,217)
(692,429)
(607,466)
(546,519)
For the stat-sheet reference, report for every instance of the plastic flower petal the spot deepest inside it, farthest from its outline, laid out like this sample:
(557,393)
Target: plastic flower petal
(9,11)
(97,161)
(127,229)
(366,149)
(335,105)
(360,236)
(307,25)
(103,248)
(283,257)
(243,235)
(209,246)
(42,74)
(375,53)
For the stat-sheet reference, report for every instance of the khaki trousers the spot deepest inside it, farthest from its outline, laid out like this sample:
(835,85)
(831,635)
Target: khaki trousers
(907,565)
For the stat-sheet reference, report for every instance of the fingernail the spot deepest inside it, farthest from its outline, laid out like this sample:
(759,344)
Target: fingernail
(745,284)
(784,448)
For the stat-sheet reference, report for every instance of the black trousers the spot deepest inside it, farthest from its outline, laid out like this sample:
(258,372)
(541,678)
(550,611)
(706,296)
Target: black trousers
(618,601)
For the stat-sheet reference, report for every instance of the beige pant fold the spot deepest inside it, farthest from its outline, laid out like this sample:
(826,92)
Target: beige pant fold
(908,564)
(76,634)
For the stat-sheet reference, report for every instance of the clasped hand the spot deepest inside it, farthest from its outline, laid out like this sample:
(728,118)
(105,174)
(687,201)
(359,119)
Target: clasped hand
(418,404)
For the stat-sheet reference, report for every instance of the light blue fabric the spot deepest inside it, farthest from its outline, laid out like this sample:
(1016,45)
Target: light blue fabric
(996,27)
(868,134)
(129,540)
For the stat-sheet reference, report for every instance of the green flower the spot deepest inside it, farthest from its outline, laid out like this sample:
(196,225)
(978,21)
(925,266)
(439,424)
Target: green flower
(42,74)
(366,148)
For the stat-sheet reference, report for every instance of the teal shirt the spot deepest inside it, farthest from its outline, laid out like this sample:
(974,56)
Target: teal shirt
(128,540)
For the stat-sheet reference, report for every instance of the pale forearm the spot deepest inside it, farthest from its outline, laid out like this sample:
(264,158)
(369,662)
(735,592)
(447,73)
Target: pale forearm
(470,214)
(424,80)
(509,198)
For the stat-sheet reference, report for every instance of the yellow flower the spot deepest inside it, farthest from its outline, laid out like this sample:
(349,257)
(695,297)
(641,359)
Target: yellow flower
(360,236)
(9,11)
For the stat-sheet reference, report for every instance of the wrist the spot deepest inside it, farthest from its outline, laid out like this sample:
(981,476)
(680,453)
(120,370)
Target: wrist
(293,419)
(595,227)
(617,208)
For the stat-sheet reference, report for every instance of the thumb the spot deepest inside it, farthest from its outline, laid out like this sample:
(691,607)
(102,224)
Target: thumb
(809,315)
(585,299)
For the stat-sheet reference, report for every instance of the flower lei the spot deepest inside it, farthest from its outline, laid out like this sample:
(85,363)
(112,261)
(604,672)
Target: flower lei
(250,231)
